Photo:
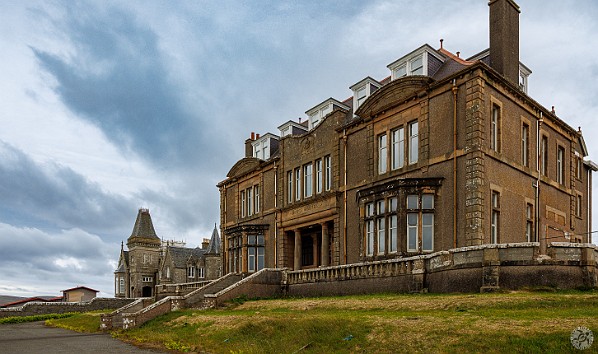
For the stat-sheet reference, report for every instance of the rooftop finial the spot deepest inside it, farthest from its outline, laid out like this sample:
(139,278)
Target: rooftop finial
(441,40)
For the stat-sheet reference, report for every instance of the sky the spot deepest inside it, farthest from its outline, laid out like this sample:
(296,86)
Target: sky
(110,106)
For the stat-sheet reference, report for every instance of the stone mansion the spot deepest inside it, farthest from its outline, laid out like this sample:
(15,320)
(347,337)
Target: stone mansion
(445,152)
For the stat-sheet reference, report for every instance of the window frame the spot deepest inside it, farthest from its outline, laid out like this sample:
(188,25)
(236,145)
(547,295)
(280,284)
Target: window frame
(397,150)
(382,153)
(560,164)
(319,177)
(495,217)
(328,171)
(308,182)
(413,142)
(525,135)
(495,127)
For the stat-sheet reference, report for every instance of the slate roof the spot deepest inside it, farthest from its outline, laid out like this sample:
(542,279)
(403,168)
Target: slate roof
(144,228)
(180,255)
(214,245)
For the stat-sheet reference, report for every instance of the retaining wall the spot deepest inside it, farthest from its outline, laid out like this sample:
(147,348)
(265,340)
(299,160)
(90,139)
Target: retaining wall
(43,308)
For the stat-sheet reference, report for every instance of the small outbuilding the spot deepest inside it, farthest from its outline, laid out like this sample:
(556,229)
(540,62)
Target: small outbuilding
(78,294)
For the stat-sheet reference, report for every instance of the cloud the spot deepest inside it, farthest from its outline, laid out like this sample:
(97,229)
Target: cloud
(56,196)
(64,258)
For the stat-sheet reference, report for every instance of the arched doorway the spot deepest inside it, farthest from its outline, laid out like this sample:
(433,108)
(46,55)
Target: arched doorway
(146,291)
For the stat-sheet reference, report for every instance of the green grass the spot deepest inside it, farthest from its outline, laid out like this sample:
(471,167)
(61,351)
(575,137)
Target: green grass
(23,319)
(517,322)
(88,322)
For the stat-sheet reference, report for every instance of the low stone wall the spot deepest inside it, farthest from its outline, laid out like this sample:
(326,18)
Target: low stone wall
(183,289)
(44,308)
(467,269)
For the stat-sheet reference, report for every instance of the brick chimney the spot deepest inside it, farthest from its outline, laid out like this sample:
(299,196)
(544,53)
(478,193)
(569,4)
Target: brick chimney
(248,146)
(504,38)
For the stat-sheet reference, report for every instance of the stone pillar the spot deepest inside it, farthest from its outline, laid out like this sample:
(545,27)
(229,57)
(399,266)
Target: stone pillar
(325,245)
(297,257)
(490,270)
(475,169)
(314,247)
(244,253)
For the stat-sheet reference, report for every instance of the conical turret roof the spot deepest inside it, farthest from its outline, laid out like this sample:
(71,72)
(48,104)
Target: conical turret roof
(143,231)
(214,246)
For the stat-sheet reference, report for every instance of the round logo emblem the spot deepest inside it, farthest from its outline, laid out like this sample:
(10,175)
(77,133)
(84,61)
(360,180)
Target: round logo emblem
(582,338)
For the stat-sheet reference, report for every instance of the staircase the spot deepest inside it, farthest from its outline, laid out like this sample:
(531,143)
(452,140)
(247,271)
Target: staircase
(266,282)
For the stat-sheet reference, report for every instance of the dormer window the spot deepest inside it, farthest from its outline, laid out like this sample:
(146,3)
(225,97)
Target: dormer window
(417,62)
(362,90)
(292,128)
(524,73)
(319,112)
(264,146)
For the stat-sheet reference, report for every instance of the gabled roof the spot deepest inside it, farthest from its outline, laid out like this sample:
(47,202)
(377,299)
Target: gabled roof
(181,255)
(214,245)
(80,287)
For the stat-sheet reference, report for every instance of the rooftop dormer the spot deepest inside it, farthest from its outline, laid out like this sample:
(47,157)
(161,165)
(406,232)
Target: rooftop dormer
(265,146)
(362,90)
(317,114)
(292,128)
(425,60)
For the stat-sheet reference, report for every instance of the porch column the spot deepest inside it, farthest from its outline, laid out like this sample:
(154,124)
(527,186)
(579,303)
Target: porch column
(244,253)
(325,245)
(314,242)
(297,258)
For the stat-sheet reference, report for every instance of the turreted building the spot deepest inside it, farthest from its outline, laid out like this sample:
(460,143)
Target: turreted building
(149,261)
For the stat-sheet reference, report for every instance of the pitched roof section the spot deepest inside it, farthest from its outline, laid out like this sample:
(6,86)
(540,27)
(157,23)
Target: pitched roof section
(214,245)
(180,255)
(144,227)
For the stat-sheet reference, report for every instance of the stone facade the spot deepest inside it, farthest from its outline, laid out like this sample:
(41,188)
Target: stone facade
(149,262)
(445,153)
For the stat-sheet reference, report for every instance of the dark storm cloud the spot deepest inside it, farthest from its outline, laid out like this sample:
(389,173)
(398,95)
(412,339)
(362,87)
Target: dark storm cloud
(56,196)
(116,80)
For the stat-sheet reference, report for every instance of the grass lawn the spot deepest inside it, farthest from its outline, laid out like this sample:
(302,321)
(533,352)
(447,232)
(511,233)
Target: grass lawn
(520,322)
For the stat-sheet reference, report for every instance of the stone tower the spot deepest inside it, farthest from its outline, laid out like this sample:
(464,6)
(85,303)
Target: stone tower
(144,256)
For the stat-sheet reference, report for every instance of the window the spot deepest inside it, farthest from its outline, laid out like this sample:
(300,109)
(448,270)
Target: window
(319,176)
(328,167)
(380,210)
(297,183)
(413,142)
(495,128)
(578,204)
(200,272)
(398,148)
(400,71)
(249,201)
(525,144)
(147,279)
(578,168)
(256,200)
(420,212)
(544,155)
(243,204)
(392,234)
(529,223)
(417,66)
(255,253)
(381,236)
(146,258)
(307,180)
(560,165)
(369,226)
(382,155)
(361,96)
(191,271)
(495,217)
(290,186)
(121,285)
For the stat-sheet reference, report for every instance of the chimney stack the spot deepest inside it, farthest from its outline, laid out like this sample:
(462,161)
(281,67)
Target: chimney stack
(249,146)
(504,38)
